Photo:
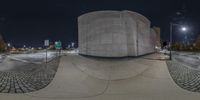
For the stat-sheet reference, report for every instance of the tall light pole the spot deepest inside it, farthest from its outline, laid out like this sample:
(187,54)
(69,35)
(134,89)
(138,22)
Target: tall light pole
(8,48)
(183,29)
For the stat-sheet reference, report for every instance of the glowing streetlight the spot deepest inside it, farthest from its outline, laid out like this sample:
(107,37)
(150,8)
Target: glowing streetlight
(9,45)
(73,44)
(184,29)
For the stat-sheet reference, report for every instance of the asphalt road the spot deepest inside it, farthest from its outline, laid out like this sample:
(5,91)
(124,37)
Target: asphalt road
(190,59)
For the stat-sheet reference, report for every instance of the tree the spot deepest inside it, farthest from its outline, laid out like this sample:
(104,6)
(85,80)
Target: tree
(198,42)
(2,44)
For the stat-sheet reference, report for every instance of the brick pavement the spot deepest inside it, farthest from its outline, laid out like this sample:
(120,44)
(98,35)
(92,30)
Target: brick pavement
(23,81)
(185,77)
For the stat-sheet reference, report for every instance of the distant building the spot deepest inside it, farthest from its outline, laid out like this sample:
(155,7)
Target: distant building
(115,34)
(156,32)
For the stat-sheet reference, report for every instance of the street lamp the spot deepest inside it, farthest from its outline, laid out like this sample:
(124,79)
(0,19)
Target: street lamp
(8,48)
(183,29)
(9,44)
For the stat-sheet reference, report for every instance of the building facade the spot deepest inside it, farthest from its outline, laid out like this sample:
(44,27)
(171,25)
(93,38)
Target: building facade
(115,34)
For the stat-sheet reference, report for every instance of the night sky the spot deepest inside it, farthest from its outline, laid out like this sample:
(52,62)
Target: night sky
(29,22)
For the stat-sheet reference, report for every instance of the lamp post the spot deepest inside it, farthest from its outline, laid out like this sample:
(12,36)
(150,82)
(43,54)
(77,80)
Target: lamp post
(8,48)
(183,29)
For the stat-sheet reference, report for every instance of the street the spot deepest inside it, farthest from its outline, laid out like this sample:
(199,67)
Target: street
(188,58)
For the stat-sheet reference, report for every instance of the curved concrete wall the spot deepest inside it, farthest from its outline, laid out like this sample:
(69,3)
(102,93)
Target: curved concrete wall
(114,34)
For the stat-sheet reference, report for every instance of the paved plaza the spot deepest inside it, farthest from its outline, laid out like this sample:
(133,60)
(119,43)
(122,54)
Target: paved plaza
(26,77)
(86,78)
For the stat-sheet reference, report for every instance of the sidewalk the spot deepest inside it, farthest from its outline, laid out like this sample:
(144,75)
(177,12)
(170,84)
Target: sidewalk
(80,78)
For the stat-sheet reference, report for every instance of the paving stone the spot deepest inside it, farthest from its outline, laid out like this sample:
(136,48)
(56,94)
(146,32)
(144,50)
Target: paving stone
(28,80)
(184,77)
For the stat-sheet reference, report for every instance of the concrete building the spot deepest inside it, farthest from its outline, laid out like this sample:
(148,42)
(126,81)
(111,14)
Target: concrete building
(115,34)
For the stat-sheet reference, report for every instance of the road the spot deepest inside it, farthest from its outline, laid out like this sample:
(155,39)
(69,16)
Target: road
(190,59)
